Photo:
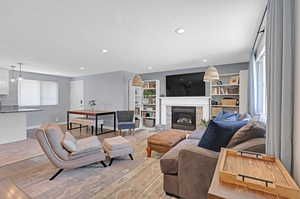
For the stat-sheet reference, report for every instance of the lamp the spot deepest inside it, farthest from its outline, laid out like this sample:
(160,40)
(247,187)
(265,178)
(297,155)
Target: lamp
(211,74)
(20,72)
(13,75)
(137,81)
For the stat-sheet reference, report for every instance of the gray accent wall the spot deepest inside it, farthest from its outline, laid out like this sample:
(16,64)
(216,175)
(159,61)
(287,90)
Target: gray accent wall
(228,68)
(110,90)
(55,113)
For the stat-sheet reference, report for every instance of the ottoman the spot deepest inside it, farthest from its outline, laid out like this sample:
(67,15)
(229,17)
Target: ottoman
(117,146)
(163,141)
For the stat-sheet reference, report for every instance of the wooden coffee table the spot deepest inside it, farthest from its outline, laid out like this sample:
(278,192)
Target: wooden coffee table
(163,141)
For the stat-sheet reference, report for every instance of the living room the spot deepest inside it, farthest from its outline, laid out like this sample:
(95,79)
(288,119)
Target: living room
(140,99)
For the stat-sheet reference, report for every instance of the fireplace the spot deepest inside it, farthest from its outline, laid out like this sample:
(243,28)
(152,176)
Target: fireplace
(184,117)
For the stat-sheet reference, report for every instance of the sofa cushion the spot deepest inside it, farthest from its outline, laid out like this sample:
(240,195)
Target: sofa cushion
(116,143)
(169,162)
(219,133)
(250,131)
(69,142)
(227,116)
(197,134)
(86,146)
(245,117)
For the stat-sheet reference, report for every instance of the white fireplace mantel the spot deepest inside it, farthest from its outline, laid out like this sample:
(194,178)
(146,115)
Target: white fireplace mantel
(184,101)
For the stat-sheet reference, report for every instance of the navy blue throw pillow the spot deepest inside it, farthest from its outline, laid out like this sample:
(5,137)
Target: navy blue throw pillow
(219,133)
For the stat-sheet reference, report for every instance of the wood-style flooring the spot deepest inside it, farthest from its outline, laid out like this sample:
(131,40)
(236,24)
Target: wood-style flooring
(126,179)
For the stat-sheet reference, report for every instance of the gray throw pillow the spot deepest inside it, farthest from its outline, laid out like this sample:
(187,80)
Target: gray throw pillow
(197,134)
(254,129)
(69,142)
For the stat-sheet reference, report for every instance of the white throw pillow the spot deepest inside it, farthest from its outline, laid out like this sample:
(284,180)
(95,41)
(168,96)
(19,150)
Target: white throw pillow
(69,142)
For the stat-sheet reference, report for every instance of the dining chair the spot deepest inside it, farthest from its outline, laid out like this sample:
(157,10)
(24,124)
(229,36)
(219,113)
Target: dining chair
(125,120)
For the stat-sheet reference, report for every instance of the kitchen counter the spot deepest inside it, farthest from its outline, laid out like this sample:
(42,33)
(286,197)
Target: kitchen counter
(13,123)
(16,109)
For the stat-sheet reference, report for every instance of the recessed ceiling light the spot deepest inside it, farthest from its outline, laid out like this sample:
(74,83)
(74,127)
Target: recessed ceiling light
(204,60)
(149,67)
(82,68)
(104,51)
(179,31)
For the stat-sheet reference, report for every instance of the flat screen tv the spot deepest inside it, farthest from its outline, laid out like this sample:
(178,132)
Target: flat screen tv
(185,85)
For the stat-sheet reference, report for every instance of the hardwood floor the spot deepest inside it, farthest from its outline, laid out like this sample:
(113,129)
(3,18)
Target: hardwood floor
(140,178)
(17,151)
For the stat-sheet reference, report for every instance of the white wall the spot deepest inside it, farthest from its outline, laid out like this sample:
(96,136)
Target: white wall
(296,171)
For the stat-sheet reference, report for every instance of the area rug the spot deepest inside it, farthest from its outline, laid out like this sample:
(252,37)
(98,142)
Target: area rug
(140,178)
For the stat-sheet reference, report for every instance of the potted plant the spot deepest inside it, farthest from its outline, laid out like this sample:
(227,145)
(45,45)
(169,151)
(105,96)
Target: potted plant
(92,104)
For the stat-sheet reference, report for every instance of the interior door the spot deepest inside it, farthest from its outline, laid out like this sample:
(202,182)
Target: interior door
(76,95)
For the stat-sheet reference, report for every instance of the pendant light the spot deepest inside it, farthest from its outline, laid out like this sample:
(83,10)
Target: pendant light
(137,81)
(20,78)
(211,74)
(13,74)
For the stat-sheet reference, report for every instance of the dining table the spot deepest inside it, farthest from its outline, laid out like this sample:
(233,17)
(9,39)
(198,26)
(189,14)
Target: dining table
(92,113)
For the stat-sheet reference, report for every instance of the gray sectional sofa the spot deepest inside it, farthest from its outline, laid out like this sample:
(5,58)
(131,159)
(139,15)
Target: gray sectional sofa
(188,169)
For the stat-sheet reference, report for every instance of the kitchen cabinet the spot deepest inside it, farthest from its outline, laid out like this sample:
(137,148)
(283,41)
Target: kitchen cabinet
(4,82)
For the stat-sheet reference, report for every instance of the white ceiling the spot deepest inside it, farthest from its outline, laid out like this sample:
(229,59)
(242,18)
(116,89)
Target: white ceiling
(60,36)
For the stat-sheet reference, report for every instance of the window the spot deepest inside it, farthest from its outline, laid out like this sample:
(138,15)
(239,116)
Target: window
(37,93)
(260,81)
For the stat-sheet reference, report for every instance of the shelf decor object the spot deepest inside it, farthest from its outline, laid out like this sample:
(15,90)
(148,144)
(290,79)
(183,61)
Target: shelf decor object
(258,172)
(211,74)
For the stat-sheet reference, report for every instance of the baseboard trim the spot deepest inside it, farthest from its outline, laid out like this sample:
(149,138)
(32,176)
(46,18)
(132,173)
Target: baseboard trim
(38,126)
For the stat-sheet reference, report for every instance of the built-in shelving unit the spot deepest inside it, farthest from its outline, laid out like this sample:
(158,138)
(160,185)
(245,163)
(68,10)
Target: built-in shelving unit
(4,81)
(150,104)
(225,94)
(145,103)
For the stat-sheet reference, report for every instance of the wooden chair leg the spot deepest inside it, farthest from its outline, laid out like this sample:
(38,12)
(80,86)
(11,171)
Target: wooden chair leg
(149,150)
(101,128)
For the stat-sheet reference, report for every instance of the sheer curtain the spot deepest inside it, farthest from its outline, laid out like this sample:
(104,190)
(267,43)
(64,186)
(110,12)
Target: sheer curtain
(251,84)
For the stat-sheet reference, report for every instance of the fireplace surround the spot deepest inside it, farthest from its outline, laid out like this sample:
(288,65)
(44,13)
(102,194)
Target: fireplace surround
(184,118)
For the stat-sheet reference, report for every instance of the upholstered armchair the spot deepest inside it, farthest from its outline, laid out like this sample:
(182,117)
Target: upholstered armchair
(125,120)
(89,150)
